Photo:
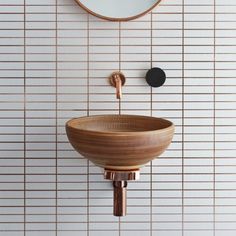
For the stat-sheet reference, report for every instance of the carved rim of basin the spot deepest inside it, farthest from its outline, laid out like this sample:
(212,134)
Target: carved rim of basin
(120,142)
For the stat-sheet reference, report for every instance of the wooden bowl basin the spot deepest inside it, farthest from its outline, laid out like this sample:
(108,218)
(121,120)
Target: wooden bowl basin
(120,142)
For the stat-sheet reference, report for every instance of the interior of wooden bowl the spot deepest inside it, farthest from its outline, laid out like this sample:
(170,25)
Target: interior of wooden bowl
(119,123)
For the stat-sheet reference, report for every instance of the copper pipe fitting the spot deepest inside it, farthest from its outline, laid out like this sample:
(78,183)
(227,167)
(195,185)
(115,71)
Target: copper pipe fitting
(117,80)
(120,178)
(120,198)
(121,175)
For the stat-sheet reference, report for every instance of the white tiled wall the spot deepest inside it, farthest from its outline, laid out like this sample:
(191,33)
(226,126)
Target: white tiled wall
(54,63)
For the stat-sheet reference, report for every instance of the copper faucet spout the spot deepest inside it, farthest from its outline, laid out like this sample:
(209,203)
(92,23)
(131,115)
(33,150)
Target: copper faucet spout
(117,80)
(118,84)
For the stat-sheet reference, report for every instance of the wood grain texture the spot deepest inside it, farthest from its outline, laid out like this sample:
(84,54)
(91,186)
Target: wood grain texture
(120,142)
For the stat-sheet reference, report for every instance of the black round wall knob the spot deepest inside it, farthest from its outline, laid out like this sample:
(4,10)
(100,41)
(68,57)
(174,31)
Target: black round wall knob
(155,77)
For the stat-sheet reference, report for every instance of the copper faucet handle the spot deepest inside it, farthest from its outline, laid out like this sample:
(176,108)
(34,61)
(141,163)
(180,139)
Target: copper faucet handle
(117,80)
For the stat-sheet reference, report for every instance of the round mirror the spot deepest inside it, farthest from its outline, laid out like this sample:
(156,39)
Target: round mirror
(118,10)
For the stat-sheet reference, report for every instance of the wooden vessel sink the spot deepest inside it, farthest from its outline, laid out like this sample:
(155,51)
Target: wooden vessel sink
(120,142)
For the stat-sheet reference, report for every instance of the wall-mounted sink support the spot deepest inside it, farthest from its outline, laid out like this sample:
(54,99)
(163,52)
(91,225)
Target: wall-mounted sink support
(120,144)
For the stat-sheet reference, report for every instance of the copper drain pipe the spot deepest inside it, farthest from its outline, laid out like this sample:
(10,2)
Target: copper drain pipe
(120,179)
(119,196)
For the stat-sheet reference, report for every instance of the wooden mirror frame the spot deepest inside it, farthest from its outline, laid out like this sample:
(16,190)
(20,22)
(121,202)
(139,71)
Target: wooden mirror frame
(117,19)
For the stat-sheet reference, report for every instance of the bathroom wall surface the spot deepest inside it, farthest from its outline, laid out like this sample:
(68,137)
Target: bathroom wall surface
(54,64)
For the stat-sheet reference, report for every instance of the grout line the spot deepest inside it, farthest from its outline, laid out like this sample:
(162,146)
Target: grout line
(183,84)
(214,127)
(119,65)
(119,35)
(88,112)
(24,117)
(151,164)
(56,121)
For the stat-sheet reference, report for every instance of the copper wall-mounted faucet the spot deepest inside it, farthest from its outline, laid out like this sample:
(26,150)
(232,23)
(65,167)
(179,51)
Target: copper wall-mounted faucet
(117,80)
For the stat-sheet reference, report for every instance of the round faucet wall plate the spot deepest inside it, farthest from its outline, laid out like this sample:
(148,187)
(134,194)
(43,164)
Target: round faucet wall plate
(114,75)
(118,10)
